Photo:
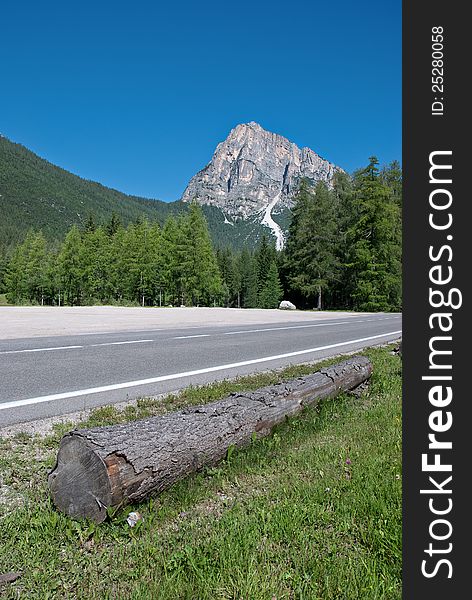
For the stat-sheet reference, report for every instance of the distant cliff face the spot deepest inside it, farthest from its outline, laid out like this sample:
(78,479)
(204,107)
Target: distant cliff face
(255,172)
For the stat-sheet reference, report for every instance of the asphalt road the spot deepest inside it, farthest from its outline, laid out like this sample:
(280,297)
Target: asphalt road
(48,376)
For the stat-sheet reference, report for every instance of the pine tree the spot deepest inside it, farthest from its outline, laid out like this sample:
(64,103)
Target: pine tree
(272,292)
(4,260)
(117,268)
(201,281)
(264,255)
(345,216)
(90,224)
(138,263)
(96,263)
(28,272)
(374,243)
(249,277)
(311,262)
(113,225)
(71,268)
(223,258)
(169,261)
(391,176)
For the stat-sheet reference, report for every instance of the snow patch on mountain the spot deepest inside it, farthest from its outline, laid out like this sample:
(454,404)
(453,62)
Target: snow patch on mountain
(268,221)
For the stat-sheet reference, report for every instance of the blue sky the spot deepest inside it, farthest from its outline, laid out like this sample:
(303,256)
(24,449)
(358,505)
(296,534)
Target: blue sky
(136,95)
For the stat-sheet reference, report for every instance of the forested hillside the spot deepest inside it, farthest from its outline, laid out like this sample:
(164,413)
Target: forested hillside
(36,193)
(343,251)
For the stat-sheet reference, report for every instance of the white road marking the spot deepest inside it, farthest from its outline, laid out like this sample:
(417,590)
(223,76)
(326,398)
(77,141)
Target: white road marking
(187,337)
(139,382)
(115,332)
(303,326)
(279,328)
(120,343)
(73,347)
(39,349)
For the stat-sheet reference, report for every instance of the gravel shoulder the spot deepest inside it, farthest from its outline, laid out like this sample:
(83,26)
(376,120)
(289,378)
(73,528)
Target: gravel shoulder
(42,321)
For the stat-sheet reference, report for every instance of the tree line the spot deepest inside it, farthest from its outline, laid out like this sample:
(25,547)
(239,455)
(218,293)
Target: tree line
(344,246)
(142,263)
(343,251)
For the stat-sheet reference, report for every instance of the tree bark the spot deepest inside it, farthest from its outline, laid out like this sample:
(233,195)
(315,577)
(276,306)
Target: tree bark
(108,467)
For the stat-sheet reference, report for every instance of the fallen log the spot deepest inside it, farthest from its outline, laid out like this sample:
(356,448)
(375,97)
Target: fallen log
(109,467)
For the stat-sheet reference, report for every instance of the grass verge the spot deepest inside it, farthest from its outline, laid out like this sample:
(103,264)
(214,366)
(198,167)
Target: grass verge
(311,512)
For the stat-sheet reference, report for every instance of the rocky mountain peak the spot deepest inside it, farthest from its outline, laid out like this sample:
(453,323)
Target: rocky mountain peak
(254,174)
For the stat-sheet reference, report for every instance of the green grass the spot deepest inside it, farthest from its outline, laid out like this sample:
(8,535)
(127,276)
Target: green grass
(311,512)
(3,300)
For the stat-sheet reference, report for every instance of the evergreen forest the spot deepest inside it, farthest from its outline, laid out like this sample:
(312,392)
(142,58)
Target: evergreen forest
(343,251)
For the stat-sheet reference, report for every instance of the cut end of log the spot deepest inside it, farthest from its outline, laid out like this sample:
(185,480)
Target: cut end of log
(79,469)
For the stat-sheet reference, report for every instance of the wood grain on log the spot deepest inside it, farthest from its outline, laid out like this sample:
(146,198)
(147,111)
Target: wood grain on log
(113,466)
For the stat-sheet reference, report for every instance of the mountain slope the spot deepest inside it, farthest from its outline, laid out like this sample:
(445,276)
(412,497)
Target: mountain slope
(254,174)
(36,193)
(245,191)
